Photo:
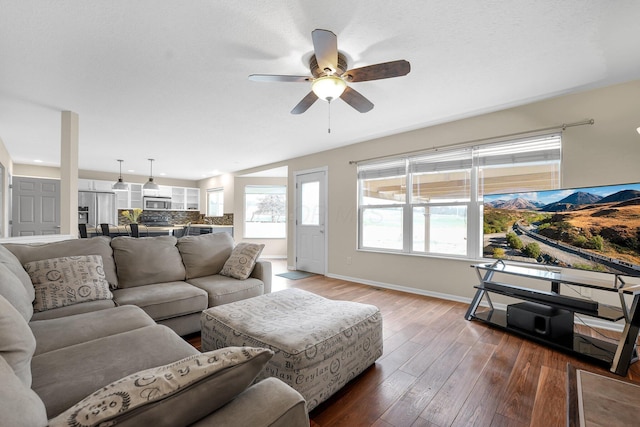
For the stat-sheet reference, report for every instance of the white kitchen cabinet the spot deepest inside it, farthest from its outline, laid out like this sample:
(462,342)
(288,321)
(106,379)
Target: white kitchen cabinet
(103,185)
(85,184)
(177,198)
(122,199)
(193,199)
(135,196)
(131,198)
(185,198)
(165,191)
(95,185)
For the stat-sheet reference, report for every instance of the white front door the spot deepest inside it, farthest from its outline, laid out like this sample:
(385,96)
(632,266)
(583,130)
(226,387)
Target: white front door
(311,242)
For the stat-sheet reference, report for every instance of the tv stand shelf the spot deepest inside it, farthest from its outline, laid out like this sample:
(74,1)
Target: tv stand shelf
(617,356)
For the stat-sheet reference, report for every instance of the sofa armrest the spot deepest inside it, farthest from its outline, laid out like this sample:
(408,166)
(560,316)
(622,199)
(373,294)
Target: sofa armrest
(263,271)
(270,402)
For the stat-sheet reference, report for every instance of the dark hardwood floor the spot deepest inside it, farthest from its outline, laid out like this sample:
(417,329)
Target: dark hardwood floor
(439,369)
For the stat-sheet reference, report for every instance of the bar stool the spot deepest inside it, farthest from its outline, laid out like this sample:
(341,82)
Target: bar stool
(105,230)
(82,228)
(134,230)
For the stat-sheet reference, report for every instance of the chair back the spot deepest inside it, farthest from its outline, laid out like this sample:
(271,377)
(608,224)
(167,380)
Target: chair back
(134,230)
(82,228)
(105,230)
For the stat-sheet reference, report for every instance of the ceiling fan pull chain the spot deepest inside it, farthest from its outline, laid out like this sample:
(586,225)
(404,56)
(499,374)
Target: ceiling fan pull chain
(329,118)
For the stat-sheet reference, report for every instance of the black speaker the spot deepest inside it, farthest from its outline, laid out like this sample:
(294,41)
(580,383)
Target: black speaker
(539,319)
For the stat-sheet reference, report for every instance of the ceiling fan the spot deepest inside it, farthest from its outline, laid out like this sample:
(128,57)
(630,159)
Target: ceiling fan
(330,77)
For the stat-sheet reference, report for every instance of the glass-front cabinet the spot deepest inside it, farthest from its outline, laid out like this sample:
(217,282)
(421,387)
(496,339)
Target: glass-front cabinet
(185,198)
(182,198)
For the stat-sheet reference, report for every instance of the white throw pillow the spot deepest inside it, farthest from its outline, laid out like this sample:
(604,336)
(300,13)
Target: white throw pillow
(59,282)
(242,260)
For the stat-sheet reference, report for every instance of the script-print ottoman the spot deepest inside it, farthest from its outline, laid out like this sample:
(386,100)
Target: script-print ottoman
(319,344)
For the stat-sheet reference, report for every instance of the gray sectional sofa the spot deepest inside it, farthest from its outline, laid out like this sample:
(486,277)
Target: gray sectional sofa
(171,279)
(118,357)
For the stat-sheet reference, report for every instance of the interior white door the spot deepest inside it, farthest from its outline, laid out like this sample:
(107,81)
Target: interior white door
(310,221)
(35,206)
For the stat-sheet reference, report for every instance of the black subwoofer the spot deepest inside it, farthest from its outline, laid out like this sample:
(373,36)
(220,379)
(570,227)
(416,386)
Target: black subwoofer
(539,319)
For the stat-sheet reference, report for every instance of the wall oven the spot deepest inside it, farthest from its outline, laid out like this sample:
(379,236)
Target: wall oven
(156,203)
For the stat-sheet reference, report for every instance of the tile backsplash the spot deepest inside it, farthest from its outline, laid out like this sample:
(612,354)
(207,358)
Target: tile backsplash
(184,217)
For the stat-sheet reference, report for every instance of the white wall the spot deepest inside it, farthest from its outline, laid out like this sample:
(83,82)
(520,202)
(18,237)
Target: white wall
(607,152)
(5,160)
(226,182)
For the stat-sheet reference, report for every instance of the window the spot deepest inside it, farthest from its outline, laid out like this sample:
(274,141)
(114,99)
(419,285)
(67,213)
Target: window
(215,202)
(265,210)
(431,204)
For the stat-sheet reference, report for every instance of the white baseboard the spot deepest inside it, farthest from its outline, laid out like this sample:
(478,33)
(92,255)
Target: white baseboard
(594,323)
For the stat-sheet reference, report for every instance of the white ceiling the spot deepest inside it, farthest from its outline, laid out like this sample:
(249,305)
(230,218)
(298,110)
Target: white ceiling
(168,79)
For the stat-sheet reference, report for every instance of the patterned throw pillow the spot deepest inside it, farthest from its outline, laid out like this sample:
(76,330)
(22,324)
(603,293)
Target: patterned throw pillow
(179,393)
(59,282)
(242,260)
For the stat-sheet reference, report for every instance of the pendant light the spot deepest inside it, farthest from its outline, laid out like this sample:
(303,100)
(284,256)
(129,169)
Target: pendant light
(150,185)
(120,185)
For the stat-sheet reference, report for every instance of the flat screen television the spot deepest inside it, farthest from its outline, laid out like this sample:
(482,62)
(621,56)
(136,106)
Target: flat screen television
(590,228)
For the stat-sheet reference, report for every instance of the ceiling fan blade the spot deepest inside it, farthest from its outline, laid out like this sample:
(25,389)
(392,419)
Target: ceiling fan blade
(278,78)
(325,46)
(378,71)
(356,100)
(304,105)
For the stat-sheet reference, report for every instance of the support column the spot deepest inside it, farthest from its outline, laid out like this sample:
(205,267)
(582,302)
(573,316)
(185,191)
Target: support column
(69,174)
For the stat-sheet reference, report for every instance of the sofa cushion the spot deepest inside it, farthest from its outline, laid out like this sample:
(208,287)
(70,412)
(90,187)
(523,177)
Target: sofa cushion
(19,405)
(70,330)
(64,281)
(70,310)
(241,261)
(206,254)
(65,376)
(95,246)
(164,300)
(17,342)
(146,260)
(11,288)
(272,402)
(15,266)
(223,289)
(175,394)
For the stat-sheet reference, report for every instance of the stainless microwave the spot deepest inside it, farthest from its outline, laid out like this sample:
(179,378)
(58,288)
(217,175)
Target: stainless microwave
(156,203)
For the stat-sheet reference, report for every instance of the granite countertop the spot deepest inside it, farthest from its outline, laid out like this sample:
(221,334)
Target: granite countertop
(169,228)
(203,225)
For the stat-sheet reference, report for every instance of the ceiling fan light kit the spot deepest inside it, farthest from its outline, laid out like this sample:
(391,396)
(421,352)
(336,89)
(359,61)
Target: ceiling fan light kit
(328,87)
(330,76)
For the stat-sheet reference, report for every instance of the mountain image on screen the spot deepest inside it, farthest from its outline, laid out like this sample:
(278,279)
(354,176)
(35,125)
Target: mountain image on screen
(595,228)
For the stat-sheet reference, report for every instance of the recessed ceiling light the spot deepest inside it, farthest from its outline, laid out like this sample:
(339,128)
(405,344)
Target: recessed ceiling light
(162,173)
(131,170)
(638,129)
(37,161)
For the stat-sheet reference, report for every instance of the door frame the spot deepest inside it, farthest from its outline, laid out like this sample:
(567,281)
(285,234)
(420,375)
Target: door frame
(325,215)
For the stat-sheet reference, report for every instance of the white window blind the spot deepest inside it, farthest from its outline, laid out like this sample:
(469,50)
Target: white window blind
(531,150)
(430,203)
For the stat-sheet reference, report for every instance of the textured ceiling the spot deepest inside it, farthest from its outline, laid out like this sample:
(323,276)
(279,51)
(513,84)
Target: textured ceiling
(168,79)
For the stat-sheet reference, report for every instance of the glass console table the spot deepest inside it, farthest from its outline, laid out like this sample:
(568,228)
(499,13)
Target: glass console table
(616,356)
